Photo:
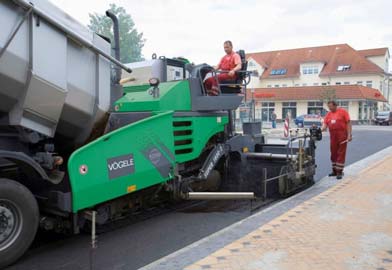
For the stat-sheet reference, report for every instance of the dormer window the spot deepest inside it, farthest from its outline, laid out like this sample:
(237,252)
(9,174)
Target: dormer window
(310,69)
(251,64)
(281,71)
(343,68)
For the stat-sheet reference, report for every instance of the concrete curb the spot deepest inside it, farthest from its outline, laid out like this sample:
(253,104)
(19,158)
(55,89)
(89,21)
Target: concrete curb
(199,249)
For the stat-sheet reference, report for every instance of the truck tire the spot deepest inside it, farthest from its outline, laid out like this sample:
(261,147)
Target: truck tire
(19,216)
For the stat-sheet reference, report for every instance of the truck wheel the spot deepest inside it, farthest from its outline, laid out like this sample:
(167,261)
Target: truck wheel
(19,217)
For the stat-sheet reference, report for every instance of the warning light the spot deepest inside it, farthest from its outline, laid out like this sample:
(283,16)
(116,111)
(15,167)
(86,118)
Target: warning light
(131,188)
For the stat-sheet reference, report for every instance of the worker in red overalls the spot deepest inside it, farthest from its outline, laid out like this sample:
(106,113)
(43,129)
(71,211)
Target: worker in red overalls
(229,64)
(340,130)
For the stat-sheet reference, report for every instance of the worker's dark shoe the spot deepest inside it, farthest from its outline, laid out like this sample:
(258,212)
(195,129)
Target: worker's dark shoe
(339,176)
(332,174)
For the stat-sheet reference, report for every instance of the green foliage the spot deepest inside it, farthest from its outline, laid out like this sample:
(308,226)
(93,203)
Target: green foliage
(328,94)
(131,41)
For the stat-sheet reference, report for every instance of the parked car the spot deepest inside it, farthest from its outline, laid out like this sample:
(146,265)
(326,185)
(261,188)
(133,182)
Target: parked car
(383,118)
(299,121)
(313,119)
(308,120)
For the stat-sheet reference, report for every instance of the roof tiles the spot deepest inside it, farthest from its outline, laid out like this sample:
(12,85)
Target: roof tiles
(347,92)
(332,56)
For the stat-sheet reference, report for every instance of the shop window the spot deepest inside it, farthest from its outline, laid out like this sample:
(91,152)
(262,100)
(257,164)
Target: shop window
(266,110)
(343,104)
(289,108)
(315,107)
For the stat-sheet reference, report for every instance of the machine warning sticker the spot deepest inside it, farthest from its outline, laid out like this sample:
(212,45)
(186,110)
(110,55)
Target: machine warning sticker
(121,166)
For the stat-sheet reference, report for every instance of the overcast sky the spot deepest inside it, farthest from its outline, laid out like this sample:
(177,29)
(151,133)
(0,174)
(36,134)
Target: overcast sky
(197,29)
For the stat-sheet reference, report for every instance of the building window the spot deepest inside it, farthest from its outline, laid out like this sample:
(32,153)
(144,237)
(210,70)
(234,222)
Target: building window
(284,85)
(276,85)
(324,83)
(289,108)
(315,107)
(369,84)
(315,104)
(359,82)
(346,83)
(281,71)
(289,104)
(313,69)
(251,64)
(366,109)
(268,104)
(269,86)
(343,104)
(297,84)
(304,84)
(343,68)
(338,83)
(316,84)
(266,110)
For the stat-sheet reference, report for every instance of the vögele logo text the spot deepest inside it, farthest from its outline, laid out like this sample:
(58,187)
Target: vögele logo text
(120,164)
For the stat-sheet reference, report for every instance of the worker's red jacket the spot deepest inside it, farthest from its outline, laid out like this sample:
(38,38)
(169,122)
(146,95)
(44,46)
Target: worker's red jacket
(337,121)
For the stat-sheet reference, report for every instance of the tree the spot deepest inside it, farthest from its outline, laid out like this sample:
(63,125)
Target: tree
(328,94)
(131,41)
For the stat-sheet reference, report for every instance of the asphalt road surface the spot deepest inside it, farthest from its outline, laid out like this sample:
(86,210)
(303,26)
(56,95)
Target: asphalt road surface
(138,244)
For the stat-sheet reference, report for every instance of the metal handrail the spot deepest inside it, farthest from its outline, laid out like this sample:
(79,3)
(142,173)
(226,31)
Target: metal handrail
(214,73)
(291,140)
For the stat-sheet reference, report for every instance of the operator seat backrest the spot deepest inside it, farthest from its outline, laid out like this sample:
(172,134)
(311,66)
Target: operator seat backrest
(244,66)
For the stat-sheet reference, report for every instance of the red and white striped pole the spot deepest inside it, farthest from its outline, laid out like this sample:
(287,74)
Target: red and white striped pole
(286,127)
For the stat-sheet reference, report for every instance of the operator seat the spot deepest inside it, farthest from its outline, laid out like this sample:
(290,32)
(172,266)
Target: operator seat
(226,87)
(200,100)
(234,86)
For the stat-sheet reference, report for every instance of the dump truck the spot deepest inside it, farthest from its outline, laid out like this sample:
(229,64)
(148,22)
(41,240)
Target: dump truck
(78,136)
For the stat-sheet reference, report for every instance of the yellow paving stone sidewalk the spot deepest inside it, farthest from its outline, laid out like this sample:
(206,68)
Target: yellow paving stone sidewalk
(349,226)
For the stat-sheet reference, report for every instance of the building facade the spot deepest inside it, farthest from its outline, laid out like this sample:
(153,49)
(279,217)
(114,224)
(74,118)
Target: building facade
(358,79)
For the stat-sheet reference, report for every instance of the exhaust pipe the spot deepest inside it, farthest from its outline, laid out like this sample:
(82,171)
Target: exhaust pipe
(116,47)
(220,196)
(116,88)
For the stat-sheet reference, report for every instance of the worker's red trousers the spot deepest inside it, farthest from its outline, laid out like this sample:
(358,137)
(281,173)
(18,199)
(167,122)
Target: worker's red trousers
(211,85)
(338,150)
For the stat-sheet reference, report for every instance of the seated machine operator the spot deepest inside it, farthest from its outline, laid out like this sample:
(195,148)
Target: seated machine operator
(229,64)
